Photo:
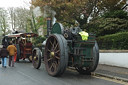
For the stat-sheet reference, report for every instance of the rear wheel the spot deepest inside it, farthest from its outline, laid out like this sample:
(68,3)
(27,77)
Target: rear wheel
(56,55)
(36,58)
(88,70)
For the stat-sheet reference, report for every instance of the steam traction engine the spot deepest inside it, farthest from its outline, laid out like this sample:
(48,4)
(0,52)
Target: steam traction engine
(65,48)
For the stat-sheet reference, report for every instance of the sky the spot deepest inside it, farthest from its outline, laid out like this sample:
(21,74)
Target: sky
(14,3)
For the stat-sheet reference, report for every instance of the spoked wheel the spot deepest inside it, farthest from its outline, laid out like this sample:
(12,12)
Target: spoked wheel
(56,55)
(88,70)
(36,58)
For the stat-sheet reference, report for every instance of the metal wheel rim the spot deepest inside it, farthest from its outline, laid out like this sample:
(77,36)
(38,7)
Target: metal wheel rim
(35,59)
(52,51)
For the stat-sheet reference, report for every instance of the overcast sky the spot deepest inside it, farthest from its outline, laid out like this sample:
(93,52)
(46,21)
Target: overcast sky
(14,3)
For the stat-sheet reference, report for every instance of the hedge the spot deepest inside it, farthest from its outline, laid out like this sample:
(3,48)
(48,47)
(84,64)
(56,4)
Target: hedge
(114,41)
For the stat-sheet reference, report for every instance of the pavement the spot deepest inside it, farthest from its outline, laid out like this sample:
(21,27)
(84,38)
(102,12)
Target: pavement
(112,72)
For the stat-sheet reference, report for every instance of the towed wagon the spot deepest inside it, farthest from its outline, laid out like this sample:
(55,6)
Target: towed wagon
(23,44)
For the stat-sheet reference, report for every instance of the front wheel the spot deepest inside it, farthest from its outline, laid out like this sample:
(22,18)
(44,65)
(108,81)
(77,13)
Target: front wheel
(56,55)
(36,58)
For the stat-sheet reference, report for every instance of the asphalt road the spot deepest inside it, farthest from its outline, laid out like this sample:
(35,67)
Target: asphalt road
(24,74)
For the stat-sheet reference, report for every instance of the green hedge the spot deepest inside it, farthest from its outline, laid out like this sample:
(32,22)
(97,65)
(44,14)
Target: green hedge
(114,41)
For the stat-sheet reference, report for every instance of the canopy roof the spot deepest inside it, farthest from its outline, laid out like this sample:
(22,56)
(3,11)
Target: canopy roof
(22,35)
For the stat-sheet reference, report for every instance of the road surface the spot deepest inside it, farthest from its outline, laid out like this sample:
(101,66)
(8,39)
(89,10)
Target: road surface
(24,74)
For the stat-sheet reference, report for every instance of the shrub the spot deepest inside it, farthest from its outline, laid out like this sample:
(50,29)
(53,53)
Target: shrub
(114,41)
(38,41)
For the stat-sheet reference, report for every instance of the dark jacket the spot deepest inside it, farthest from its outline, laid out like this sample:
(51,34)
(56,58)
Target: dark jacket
(3,52)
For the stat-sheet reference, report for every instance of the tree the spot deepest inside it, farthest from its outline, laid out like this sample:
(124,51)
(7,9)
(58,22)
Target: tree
(70,11)
(19,18)
(12,18)
(105,26)
(3,21)
(110,5)
(67,11)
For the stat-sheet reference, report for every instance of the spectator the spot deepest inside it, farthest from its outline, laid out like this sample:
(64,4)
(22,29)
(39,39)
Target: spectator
(12,50)
(4,54)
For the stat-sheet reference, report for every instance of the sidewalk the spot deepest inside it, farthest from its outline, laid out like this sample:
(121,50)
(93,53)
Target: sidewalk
(118,73)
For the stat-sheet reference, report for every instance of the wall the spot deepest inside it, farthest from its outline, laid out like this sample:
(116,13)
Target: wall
(114,58)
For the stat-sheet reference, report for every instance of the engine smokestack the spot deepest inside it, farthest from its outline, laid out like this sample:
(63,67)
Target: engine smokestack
(48,26)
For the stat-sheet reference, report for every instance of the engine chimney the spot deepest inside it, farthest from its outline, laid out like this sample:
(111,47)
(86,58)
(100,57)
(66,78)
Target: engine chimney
(48,26)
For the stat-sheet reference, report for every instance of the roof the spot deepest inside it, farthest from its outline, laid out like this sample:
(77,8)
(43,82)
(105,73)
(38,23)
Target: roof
(22,35)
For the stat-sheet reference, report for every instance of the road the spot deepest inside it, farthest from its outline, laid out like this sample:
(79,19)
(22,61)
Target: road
(24,74)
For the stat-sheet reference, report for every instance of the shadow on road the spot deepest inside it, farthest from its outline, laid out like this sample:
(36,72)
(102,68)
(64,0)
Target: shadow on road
(70,74)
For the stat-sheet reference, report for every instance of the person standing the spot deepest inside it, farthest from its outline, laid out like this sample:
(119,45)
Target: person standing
(4,54)
(12,50)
